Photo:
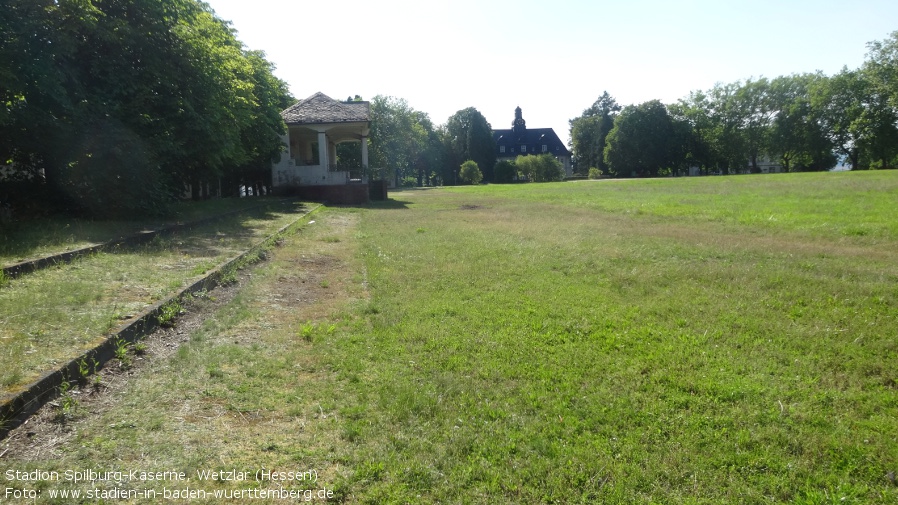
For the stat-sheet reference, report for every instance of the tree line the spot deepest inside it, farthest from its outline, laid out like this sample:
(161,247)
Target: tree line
(415,152)
(804,122)
(118,106)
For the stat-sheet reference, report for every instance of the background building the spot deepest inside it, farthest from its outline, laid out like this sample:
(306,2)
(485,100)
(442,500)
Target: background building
(520,140)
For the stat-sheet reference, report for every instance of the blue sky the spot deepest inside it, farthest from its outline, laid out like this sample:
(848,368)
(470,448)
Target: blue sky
(551,58)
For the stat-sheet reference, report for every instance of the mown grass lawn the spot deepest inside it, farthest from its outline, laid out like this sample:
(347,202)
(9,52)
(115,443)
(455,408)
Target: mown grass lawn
(608,342)
(544,343)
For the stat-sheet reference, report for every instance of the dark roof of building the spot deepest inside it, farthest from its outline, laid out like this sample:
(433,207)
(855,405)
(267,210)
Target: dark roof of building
(532,137)
(320,108)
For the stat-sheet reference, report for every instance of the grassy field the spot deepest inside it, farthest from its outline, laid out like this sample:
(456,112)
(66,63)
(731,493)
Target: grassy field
(50,316)
(707,340)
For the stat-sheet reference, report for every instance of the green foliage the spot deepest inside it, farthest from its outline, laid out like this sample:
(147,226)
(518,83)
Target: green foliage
(468,136)
(504,172)
(594,173)
(68,405)
(403,141)
(306,331)
(115,175)
(105,95)
(590,130)
(881,67)
(86,368)
(806,122)
(539,168)
(470,172)
(642,142)
(122,347)
(169,313)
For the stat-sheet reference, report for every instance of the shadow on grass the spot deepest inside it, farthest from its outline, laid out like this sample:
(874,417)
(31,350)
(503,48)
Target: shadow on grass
(203,239)
(389,203)
(39,238)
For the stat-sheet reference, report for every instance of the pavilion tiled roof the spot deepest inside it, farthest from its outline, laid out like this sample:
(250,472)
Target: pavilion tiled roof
(320,108)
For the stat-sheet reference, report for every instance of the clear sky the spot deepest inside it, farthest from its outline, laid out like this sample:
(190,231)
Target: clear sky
(552,58)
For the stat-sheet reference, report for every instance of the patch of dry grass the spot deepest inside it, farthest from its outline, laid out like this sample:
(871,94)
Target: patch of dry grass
(244,390)
(52,315)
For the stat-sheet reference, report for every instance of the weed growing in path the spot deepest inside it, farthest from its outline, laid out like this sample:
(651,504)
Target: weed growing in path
(169,312)
(122,348)
(67,404)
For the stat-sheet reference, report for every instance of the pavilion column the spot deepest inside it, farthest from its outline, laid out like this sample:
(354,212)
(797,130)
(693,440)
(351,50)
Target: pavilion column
(365,153)
(322,149)
(332,153)
(285,139)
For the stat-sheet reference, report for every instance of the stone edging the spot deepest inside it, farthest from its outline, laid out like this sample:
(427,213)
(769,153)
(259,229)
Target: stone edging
(15,409)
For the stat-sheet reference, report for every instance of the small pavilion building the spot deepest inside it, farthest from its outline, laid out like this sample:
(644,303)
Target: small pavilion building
(309,166)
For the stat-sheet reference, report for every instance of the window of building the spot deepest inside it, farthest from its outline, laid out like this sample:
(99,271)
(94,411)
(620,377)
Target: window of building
(545,148)
(501,149)
(523,149)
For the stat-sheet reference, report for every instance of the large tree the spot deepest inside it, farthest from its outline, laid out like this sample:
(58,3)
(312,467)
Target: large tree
(798,136)
(589,131)
(838,103)
(468,136)
(854,112)
(881,121)
(260,137)
(882,67)
(166,85)
(403,141)
(642,142)
(757,110)
(692,115)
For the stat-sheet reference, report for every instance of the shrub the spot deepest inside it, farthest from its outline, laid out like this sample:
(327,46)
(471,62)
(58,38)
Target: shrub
(540,168)
(504,172)
(594,173)
(470,172)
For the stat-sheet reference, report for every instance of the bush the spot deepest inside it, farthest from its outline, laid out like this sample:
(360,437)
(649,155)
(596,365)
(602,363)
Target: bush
(504,172)
(470,172)
(541,168)
(594,173)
